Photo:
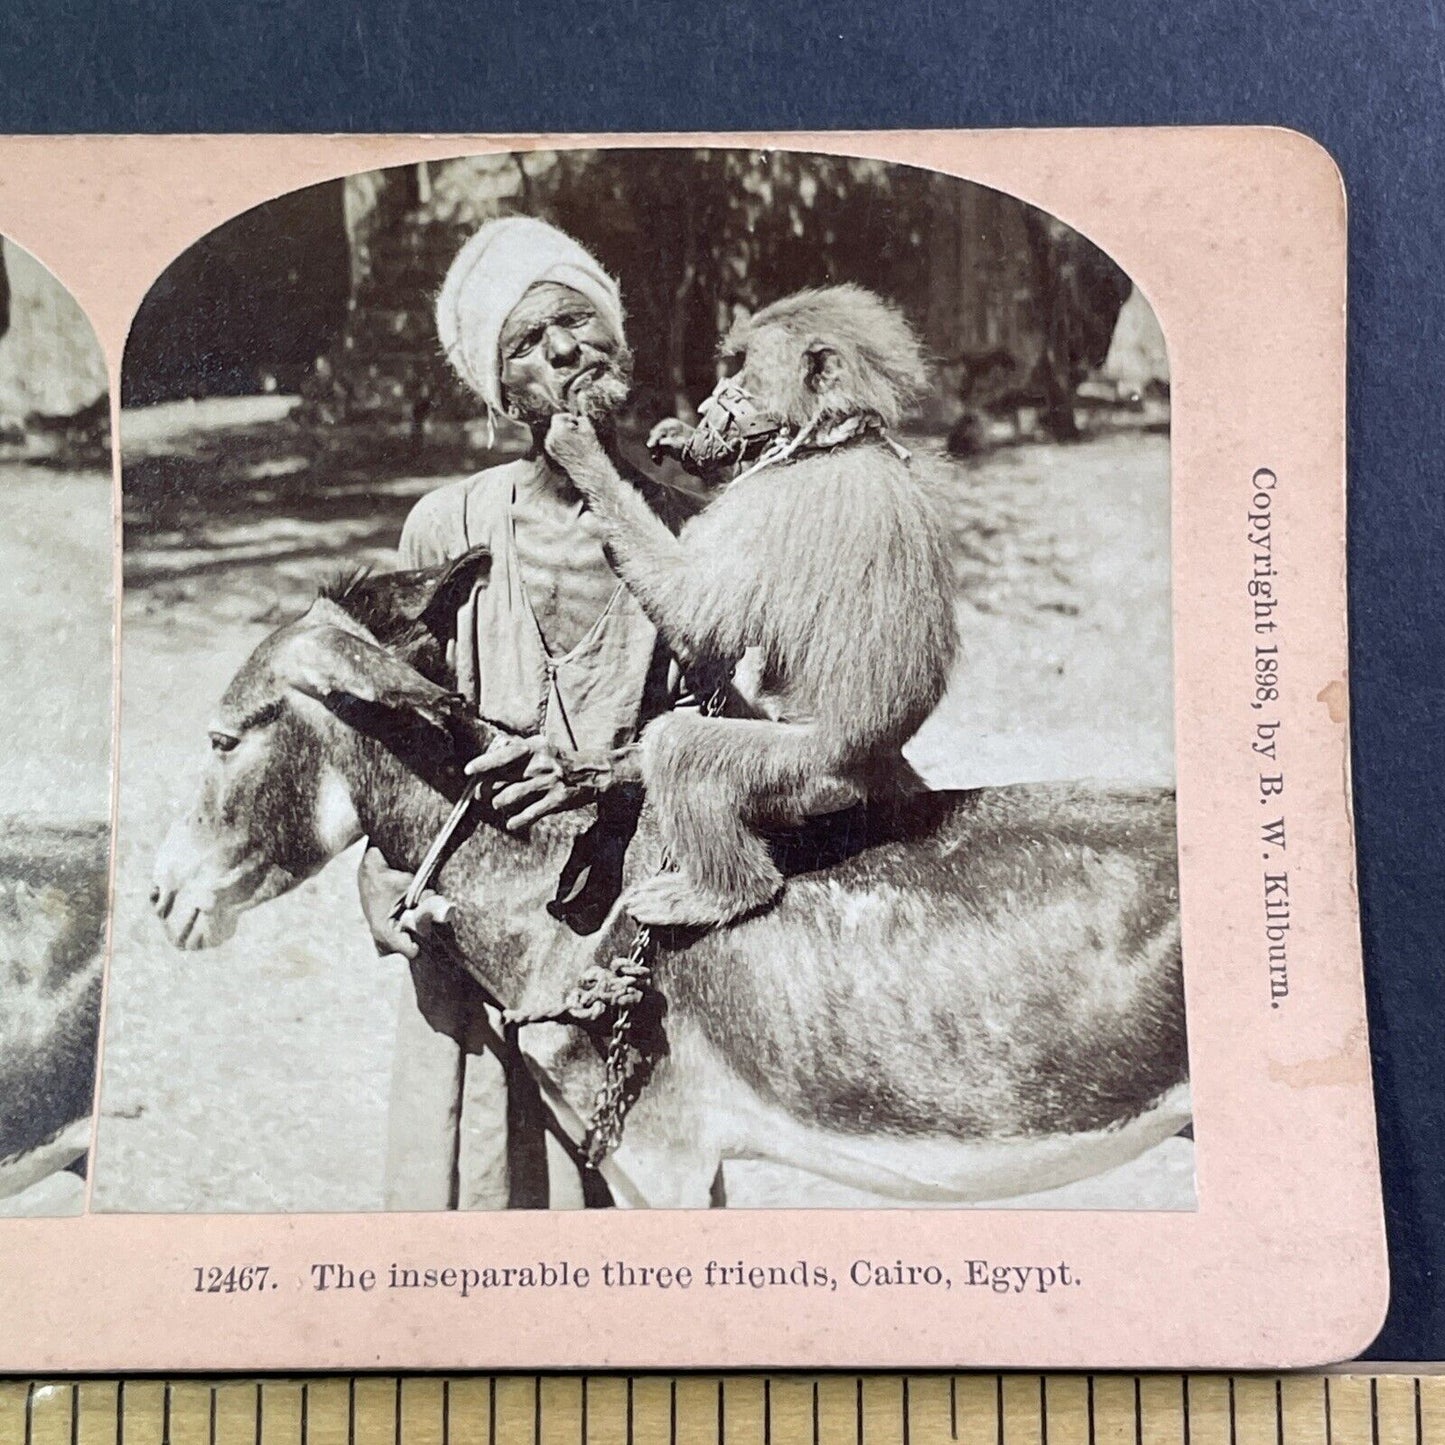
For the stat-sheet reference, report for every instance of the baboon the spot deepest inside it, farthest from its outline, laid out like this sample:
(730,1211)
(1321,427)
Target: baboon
(824,561)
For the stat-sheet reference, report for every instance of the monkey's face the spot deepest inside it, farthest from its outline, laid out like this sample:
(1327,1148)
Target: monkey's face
(791,377)
(558,355)
(837,352)
(731,427)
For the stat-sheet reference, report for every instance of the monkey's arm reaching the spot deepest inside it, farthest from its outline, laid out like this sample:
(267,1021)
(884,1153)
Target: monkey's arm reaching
(651,561)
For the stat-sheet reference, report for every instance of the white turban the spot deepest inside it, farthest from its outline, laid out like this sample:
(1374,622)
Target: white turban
(491,274)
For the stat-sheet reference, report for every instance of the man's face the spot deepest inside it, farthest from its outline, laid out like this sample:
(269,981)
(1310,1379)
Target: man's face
(558,354)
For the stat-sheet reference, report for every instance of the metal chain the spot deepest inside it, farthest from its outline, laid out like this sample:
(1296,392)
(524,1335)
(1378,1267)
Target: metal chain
(620,1086)
(623,1072)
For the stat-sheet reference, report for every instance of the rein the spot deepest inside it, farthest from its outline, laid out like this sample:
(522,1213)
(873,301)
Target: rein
(431,861)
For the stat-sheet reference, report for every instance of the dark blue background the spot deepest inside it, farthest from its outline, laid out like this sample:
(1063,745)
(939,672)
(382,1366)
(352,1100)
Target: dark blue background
(1366,79)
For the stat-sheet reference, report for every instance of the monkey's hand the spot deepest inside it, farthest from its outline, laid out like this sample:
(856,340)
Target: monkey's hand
(532,777)
(572,442)
(669,438)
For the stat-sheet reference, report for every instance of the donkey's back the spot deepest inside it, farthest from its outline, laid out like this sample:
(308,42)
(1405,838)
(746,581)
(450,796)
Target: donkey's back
(52,926)
(997,963)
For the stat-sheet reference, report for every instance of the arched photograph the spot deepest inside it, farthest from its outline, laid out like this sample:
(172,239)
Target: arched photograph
(646,681)
(56,565)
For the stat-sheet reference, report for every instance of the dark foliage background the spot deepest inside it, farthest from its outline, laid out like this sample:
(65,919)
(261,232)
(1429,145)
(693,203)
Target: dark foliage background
(330,290)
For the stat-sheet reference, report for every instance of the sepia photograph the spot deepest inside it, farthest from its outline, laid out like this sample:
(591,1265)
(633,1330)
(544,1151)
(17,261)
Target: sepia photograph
(645,681)
(55,716)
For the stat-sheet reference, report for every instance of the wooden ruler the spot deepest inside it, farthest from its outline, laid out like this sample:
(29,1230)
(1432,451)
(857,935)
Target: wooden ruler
(732,1410)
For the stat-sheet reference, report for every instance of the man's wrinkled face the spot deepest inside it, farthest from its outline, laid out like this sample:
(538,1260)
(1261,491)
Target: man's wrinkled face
(557,354)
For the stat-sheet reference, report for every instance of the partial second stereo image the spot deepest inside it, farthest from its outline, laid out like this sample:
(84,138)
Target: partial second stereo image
(55,721)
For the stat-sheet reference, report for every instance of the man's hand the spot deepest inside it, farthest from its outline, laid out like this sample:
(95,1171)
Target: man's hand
(381,888)
(543,778)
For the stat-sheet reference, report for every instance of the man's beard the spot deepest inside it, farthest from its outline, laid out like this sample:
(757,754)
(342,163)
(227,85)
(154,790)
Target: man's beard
(598,399)
(602,396)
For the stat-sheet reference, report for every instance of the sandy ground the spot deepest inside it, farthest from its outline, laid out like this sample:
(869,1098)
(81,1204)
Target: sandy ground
(254,1077)
(55,647)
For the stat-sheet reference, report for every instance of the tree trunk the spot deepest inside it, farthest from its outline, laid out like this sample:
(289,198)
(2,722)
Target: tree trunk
(678,316)
(1054,372)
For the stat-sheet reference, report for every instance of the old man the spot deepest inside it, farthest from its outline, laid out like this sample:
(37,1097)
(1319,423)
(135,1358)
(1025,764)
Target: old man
(552,648)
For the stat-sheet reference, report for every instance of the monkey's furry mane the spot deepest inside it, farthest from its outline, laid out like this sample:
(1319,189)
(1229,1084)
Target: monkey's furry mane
(882,362)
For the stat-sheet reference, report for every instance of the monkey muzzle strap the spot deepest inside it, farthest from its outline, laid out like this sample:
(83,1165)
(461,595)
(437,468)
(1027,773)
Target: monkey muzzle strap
(731,428)
(734,429)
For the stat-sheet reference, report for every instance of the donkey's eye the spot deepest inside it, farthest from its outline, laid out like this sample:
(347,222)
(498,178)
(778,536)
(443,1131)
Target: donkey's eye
(223,742)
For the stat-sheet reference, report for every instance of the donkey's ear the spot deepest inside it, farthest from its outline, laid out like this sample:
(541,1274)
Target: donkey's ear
(341,669)
(430,596)
(450,588)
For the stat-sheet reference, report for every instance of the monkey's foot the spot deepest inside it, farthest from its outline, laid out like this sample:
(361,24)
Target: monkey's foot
(671,901)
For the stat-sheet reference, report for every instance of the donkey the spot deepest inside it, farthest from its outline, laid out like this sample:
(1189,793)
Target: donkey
(958,998)
(53,884)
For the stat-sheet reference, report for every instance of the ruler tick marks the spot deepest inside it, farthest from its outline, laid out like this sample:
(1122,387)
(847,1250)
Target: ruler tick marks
(118,1412)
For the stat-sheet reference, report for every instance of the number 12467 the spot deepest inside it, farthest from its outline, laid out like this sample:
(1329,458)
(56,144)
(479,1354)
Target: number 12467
(237,1279)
